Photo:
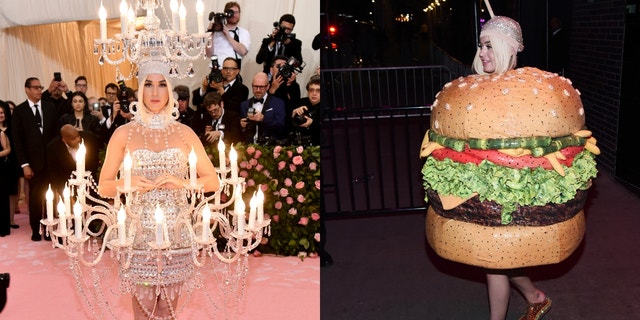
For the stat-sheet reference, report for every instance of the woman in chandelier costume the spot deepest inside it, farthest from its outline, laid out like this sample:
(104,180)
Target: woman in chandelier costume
(159,147)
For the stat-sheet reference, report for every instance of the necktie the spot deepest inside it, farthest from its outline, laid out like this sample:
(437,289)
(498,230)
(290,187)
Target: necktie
(38,117)
(215,124)
(226,86)
(236,37)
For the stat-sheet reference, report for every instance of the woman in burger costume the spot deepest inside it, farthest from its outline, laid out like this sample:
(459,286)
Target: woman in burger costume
(500,42)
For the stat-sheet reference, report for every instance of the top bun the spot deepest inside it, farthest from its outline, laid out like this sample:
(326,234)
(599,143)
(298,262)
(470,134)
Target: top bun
(524,102)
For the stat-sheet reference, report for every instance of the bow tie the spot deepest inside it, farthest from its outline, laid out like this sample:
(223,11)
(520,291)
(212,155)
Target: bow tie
(261,101)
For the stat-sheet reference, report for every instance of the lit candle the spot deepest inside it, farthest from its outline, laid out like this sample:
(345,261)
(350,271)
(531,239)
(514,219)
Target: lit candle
(223,160)
(174,14)
(80,156)
(67,200)
(77,218)
(62,226)
(193,160)
(183,17)
(122,217)
(260,198)
(127,171)
(200,10)
(252,211)
(240,213)
(123,17)
(102,13)
(233,157)
(159,226)
(49,197)
(206,218)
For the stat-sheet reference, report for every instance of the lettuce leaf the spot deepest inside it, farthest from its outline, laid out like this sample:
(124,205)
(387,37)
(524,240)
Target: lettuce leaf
(507,186)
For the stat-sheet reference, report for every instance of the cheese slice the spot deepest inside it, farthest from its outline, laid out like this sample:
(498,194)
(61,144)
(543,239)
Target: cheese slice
(450,201)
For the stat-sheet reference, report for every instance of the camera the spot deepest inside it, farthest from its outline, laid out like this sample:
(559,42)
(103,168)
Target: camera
(124,100)
(57,76)
(300,119)
(215,75)
(219,19)
(292,65)
(282,35)
(251,111)
(96,106)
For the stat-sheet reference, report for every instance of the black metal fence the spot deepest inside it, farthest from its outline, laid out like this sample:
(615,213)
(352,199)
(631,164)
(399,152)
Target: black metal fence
(373,128)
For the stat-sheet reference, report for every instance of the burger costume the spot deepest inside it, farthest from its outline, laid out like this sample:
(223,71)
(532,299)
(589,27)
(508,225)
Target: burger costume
(508,162)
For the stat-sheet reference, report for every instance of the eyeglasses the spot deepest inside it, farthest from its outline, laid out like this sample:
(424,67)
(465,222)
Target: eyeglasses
(81,85)
(111,93)
(36,87)
(229,68)
(259,87)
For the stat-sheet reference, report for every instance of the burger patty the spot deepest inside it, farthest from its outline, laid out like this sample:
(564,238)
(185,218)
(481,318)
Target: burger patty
(488,213)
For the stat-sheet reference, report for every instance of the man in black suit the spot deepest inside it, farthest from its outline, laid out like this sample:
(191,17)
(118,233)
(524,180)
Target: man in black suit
(61,155)
(111,116)
(35,123)
(217,123)
(231,88)
(262,117)
(282,41)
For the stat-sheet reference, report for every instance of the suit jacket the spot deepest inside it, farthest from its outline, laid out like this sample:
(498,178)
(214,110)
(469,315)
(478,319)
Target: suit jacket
(272,125)
(62,163)
(90,123)
(231,120)
(29,143)
(293,49)
(232,98)
(117,121)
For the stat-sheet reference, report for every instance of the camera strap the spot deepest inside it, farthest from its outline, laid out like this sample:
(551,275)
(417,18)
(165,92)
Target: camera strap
(236,37)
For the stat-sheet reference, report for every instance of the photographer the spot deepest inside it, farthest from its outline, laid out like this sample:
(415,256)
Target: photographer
(231,88)
(232,40)
(281,41)
(112,116)
(307,117)
(283,84)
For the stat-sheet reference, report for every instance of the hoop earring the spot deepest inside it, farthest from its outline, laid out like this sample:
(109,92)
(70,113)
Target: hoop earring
(175,114)
(133,108)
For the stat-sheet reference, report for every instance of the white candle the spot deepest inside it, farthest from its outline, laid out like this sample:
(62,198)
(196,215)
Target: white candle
(102,13)
(260,198)
(127,171)
(67,200)
(123,17)
(193,160)
(252,211)
(240,213)
(49,197)
(122,233)
(131,16)
(206,218)
(77,218)
(183,17)
(200,10)
(159,226)
(223,160)
(233,157)
(174,14)
(62,219)
(80,160)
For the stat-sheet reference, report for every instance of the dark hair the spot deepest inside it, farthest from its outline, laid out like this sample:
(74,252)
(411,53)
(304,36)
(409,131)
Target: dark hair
(79,78)
(112,86)
(182,91)
(230,5)
(278,57)
(315,79)
(234,60)
(288,18)
(27,82)
(7,115)
(210,98)
(81,95)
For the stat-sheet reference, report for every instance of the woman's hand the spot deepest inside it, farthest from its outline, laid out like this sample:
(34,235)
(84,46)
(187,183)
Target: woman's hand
(168,181)
(143,184)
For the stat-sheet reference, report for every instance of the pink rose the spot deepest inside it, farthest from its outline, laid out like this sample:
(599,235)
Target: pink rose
(253,162)
(298,160)
(258,154)
(318,184)
(250,150)
(259,167)
(276,155)
(288,182)
(281,165)
(300,185)
(244,174)
(303,221)
(243,164)
(266,173)
(300,198)
(292,167)
(293,211)
(264,187)
(299,149)
(284,192)
(278,205)
(251,182)
(316,237)
(277,149)
(313,166)
(264,240)
(275,218)
(315,216)
(257,253)
(289,200)
(313,255)
(289,153)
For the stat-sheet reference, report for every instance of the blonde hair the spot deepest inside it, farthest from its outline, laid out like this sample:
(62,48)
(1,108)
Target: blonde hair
(505,56)
(169,112)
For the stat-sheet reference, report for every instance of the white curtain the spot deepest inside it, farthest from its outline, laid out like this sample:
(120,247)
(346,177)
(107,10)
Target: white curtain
(42,37)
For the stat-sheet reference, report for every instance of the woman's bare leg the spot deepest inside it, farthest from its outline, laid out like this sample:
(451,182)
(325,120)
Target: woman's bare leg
(499,292)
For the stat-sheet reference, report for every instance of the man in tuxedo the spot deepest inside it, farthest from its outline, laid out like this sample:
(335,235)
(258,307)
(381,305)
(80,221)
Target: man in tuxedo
(35,123)
(186,114)
(61,155)
(231,88)
(111,116)
(282,41)
(262,117)
(217,123)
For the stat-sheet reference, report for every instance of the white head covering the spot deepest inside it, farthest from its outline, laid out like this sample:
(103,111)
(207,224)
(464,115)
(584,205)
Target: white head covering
(506,29)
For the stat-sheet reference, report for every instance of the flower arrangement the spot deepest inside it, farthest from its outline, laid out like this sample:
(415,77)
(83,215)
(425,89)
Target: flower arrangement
(290,179)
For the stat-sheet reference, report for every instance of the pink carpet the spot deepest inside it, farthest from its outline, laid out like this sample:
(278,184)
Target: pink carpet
(42,286)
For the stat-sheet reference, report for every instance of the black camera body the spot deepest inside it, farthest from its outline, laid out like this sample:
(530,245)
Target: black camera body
(292,65)
(215,75)
(300,119)
(124,100)
(219,20)
(282,35)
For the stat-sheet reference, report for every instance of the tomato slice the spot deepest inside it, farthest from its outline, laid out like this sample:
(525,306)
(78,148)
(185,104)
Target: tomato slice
(527,161)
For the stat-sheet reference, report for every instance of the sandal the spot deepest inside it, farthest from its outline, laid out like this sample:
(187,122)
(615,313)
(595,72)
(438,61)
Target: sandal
(535,311)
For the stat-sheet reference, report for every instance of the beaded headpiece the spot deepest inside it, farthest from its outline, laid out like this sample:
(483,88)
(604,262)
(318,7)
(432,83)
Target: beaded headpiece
(152,65)
(506,29)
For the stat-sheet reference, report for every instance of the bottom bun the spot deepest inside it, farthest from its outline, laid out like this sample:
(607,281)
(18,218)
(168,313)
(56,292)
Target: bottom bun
(503,247)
